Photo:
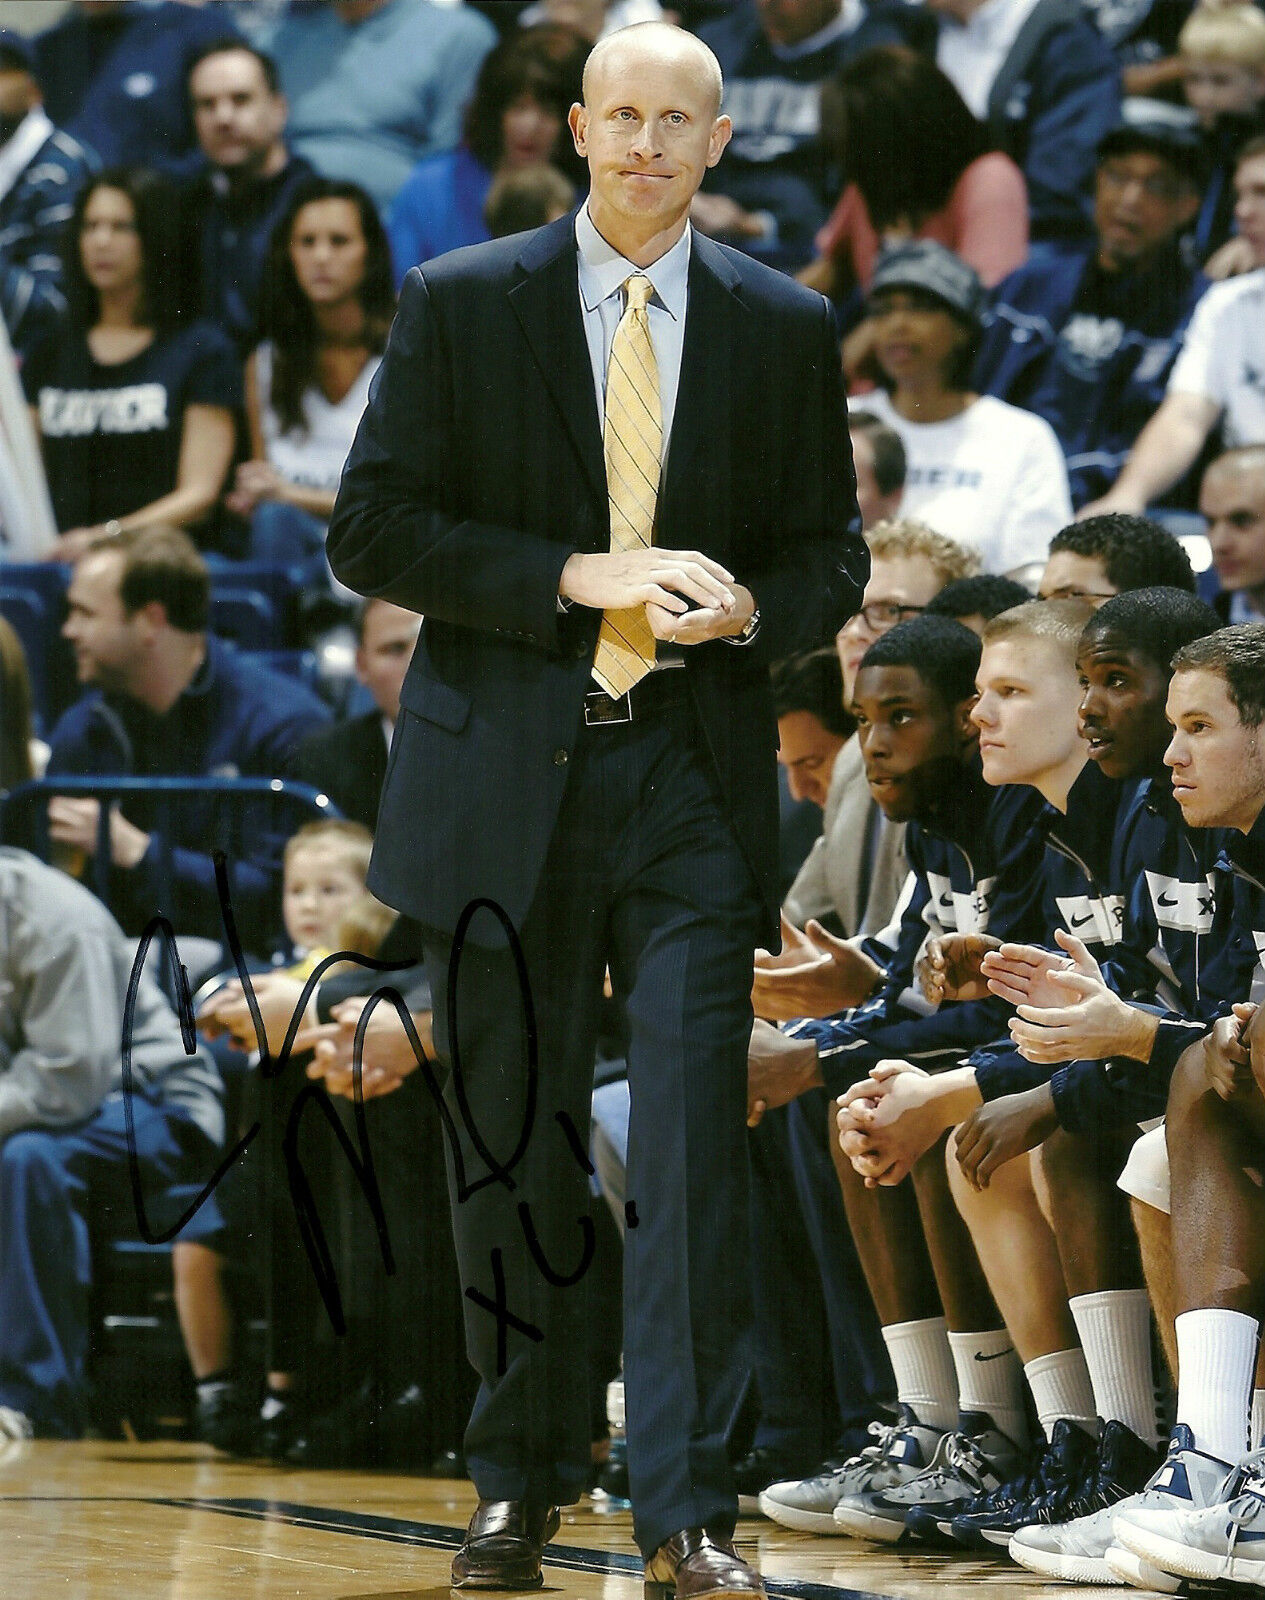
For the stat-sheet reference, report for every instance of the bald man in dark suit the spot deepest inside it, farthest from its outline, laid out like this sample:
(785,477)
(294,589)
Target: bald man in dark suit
(609,462)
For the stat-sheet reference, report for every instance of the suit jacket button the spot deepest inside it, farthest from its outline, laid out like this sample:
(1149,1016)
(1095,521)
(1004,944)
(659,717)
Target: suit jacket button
(560,758)
(581,650)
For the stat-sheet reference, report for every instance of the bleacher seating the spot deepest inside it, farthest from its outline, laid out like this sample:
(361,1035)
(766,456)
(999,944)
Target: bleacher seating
(142,1379)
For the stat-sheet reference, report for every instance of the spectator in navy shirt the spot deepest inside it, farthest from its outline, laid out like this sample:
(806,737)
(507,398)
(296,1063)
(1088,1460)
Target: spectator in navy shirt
(1085,333)
(774,188)
(41,171)
(114,74)
(232,207)
(1039,75)
(135,411)
(169,698)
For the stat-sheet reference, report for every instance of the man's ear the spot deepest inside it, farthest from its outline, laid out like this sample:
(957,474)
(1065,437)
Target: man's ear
(722,132)
(578,122)
(153,618)
(966,731)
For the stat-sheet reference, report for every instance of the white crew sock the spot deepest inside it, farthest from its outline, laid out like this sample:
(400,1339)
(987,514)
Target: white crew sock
(1061,1388)
(925,1379)
(1115,1333)
(990,1380)
(1216,1365)
(1258,1418)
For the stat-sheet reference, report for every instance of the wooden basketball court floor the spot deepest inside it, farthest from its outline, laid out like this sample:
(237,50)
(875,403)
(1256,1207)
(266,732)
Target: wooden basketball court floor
(106,1521)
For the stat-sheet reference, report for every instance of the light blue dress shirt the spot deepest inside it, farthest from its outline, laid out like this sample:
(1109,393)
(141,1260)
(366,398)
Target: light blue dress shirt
(603,273)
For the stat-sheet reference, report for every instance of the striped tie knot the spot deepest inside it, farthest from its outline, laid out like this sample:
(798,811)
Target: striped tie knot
(637,291)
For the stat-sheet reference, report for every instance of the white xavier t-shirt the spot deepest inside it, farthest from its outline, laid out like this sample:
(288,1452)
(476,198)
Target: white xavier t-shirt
(1223,356)
(993,478)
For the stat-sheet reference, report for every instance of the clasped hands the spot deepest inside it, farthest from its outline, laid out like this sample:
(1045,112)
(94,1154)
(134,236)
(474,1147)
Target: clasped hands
(688,597)
(1065,1011)
(387,1055)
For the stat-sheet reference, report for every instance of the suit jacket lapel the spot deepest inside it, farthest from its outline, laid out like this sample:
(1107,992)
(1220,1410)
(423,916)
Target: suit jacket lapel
(546,301)
(704,392)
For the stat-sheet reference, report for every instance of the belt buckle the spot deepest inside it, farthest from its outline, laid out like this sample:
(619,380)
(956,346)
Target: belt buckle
(601,711)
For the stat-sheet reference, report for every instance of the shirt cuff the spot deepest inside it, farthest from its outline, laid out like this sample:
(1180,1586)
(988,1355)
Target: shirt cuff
(749,634)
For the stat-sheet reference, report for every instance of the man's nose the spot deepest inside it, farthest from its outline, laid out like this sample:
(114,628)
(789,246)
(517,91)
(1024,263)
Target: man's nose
(645,143)
(858,628)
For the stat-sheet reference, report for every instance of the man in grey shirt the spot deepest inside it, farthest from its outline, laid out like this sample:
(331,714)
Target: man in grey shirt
(65,966)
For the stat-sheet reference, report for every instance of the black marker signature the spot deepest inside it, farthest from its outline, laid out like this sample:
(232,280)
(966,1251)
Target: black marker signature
(359,1153)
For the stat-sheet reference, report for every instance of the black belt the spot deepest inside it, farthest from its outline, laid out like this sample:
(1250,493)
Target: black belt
(657,690)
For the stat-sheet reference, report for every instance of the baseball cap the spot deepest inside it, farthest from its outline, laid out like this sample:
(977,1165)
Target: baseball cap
(924,264)
(1172,138)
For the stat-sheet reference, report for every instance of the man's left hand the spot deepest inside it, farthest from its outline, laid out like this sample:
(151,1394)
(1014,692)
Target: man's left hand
(1253,1035)
(1000,1130)
(75,822)
(779,1069)
(949,966)
(1226,1059)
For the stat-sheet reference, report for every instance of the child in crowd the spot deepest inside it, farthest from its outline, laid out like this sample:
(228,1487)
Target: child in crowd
(324,865)
(1223,55)
(323,904)
(527,197)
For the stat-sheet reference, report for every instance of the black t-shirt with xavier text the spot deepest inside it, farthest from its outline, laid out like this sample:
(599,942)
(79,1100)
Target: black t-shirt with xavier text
(112,433)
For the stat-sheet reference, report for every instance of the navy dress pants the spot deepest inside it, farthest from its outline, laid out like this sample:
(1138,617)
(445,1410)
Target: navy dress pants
(643,873)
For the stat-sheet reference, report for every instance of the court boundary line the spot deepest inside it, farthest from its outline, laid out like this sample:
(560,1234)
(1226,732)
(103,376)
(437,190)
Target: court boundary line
(422,1535)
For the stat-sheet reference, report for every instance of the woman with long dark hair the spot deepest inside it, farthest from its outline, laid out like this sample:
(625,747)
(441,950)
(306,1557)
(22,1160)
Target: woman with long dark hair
(325,320)
(516,118)
(918,166)
(134,408)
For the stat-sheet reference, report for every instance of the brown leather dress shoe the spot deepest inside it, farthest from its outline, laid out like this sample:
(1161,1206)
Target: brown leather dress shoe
(502,1546)
(691,1563)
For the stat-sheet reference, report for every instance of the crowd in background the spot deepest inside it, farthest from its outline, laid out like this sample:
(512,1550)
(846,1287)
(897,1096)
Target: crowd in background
(1041,228)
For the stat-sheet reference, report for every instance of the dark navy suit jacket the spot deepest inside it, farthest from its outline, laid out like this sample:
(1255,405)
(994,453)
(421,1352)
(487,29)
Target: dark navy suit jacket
(478,470)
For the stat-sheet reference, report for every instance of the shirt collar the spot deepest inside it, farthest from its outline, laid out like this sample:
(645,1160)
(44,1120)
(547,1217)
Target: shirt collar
(997,22)
(603,271)
(851,15)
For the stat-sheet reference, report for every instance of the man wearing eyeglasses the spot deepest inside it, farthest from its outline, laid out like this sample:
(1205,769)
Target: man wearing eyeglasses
(909,565)
(1085,333)
(1102,556)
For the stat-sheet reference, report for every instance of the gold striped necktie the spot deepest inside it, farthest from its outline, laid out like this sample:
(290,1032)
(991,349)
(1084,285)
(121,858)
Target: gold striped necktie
(633,438)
